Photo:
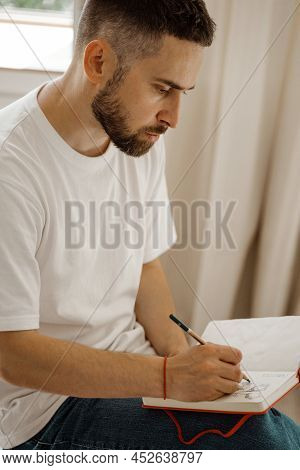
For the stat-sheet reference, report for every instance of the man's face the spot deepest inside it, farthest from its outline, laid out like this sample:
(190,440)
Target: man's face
(145,102)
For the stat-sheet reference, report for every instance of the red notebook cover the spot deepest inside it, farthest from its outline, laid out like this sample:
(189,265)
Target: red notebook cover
(233,430)
(226,412)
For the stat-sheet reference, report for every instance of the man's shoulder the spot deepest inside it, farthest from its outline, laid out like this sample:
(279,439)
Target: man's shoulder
(12,117)
(19,163)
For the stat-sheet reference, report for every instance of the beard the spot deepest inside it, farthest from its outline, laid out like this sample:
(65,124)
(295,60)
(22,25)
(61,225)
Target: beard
(114,118)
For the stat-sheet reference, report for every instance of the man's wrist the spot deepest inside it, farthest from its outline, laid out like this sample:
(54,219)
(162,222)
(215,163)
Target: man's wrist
(177,349)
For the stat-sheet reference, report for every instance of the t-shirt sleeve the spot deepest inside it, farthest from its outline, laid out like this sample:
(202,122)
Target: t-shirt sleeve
(21,232)
(160,231)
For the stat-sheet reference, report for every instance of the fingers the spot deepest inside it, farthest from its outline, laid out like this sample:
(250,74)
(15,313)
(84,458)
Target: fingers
(226,386)
(216,395)
(230,372)
(227,353)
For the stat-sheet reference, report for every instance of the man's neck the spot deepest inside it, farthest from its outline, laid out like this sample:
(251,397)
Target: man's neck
(71,116)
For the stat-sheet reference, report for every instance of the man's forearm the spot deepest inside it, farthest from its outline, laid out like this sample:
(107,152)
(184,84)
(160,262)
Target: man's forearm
(72,369)
(153,306)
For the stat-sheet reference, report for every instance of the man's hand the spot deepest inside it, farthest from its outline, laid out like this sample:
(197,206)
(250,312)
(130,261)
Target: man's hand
(203,372)
(179,350)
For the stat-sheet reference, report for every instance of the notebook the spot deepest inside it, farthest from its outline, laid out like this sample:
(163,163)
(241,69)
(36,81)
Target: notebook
(271,359)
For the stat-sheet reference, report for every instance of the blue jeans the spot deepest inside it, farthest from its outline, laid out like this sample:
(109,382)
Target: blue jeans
(121,423)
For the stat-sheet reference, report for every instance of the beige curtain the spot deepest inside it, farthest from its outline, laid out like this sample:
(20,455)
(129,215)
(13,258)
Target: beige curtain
(239,140)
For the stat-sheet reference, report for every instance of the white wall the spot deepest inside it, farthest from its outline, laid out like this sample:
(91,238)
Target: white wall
(16,83)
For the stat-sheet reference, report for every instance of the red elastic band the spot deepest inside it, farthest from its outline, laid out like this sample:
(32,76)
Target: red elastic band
(232,431)
(165,377)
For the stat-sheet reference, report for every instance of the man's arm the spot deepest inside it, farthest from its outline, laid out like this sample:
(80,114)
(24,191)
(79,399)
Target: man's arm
(153,306)
(29,359)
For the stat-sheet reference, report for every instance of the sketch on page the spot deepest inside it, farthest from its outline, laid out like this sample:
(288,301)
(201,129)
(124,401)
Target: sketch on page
(251,391)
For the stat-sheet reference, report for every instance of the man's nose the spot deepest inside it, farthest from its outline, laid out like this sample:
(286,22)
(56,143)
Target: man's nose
(170,113)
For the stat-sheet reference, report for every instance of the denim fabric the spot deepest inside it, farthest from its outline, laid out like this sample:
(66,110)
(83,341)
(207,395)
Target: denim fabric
(121,423)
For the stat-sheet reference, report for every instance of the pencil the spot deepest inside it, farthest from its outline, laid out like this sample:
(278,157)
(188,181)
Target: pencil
(195,336)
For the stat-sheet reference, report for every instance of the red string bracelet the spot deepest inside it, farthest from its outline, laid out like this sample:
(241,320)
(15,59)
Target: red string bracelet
(165,377)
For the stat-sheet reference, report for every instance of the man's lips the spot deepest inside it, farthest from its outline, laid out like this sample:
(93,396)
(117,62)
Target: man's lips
(152,137)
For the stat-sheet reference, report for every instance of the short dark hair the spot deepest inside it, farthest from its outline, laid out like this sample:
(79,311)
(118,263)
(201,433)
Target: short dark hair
(135,28)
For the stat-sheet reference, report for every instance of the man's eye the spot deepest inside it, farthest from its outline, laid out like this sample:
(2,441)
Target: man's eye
(165,92)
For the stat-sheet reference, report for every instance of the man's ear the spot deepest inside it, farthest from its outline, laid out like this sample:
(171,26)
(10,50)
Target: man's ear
(99,61)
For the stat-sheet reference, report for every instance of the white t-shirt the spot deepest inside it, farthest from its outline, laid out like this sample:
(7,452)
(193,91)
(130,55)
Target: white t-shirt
(75,232)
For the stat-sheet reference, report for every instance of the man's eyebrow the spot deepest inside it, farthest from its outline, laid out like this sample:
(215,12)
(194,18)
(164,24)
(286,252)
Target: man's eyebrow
(172,84)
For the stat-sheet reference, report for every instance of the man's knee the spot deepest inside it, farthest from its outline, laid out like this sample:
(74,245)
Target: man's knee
(274,430)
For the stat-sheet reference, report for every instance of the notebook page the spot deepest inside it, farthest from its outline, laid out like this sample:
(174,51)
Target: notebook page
(268,343)
(262,385)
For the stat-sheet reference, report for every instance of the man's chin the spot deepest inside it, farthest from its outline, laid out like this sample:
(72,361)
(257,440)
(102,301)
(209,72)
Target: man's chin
(138,150)
(141,152)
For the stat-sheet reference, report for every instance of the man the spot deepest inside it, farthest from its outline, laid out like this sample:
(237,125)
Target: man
(85,320)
